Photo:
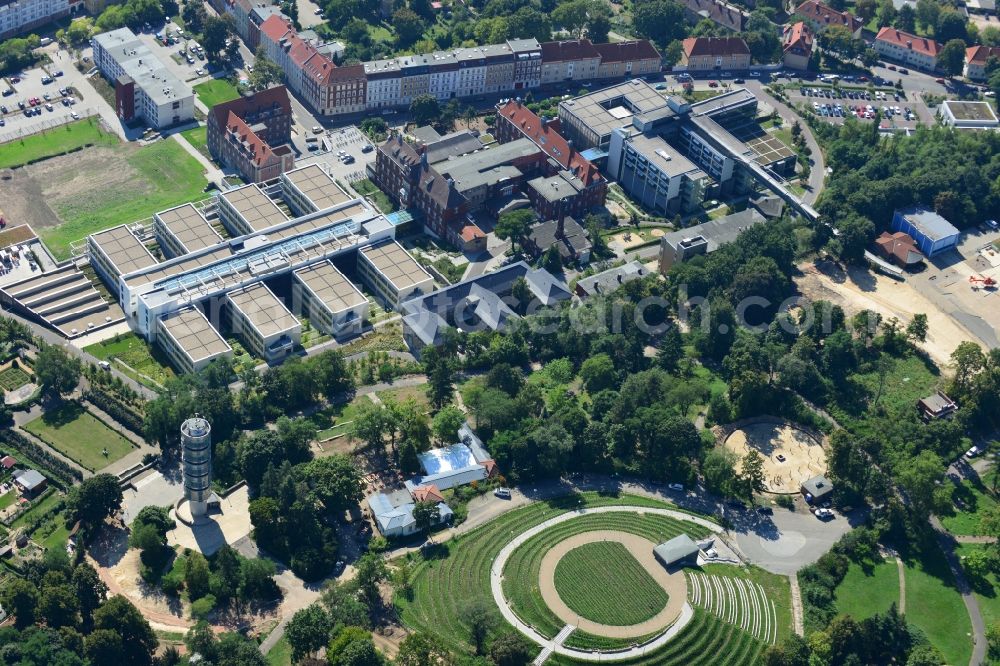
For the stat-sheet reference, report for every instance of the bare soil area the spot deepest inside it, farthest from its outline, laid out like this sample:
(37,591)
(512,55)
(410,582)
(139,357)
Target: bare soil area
(857,289)
(791,456)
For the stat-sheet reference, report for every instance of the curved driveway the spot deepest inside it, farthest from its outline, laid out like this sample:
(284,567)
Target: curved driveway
(496,587)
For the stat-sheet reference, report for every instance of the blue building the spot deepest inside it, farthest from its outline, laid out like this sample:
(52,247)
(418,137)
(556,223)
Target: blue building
(933,233)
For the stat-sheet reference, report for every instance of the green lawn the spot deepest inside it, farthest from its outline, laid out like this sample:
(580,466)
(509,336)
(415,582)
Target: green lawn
(458,570)
(281,653)
(55,142)
(136,353)
(336,419)
(603,582)
(13,378)
(7,499)
(776,587)
(864,593)
(77,434)
(934,605)
(972,501)
(215,92)
(198,137)
(987,590)
(166,176)
(366,187)
(36,509)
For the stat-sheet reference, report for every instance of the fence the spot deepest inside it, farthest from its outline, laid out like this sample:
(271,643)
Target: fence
(43,125)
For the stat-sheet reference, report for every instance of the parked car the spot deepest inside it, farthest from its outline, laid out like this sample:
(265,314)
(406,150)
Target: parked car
(940,80)
(992,224)
(823,514)
(7,92)
(675,486)
(973,452)
(502,493)
(58,72)
(317,129)
(3,109)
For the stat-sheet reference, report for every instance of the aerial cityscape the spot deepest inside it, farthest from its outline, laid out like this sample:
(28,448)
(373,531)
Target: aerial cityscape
(499,332)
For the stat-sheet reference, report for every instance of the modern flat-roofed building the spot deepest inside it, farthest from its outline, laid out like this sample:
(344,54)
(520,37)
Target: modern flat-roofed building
(713,54)
(975,61)
(189,340)
(392,273)
(821,16)
(309,189)
(252,134)
(968,115)
(589,120)
(263,322)
(144,87)
(246,210)
(933,233)
(117,251)
(182,230)
(656,173)
(18,16)
(331,301)
(902,47)
(681,245)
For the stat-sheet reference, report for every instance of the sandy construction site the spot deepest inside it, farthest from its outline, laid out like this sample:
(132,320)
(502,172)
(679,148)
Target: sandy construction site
(791,455)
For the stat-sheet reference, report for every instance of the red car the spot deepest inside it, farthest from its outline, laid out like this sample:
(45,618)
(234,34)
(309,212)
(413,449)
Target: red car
(941,81)
(862,78)
(713,84)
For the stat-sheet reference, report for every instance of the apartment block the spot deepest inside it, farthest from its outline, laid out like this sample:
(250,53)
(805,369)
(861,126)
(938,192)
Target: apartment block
(655,173)
(626,59)
(706,54)
(723,14)
(392,274)
(902,47)
(569,60)
(20,16)
(252,134)
(144,88)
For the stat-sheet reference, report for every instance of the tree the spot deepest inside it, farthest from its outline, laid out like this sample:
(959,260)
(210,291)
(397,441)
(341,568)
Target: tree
(370,572)
(511,648)
(194,15)
(105,647)
(719,470)
(422,650)
(951,59)
(951,25)
(371,424)
(967,359)
(447,422)
(265,72)
(20,598)
(336,481)
(927,12)
(514,225)
(426,515)
(214,35)
(95,499)
(752,473)
(424,109)
(308,631)
(196,576)
(598,373)
(57,372)
(659,20)
(993,640)
(906,19)
(91,591)
(916,330)
(481,618)
(409,26)
(139,642)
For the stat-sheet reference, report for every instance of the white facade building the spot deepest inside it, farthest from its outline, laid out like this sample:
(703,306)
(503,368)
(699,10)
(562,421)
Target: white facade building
(18,16)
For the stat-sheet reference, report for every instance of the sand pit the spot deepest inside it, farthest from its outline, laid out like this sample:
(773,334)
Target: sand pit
(791,455)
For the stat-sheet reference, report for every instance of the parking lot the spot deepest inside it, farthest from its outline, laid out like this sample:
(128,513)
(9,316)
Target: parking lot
(835,104)
(347,157)
(185,66)
(33,106)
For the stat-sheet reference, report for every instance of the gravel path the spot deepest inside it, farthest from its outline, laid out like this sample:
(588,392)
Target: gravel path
(642,550)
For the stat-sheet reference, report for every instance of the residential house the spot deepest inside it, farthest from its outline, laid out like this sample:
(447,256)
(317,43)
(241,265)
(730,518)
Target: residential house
(899,248)
(904,48)
(797,46)
(936,406)
(723,14)
(565,234)
(608,281)
(706,54)
(975,61)
(821,16)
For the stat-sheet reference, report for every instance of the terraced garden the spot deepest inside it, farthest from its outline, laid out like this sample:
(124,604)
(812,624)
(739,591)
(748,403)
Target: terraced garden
(458,571)
(705,641)
(520,585)
(603,582)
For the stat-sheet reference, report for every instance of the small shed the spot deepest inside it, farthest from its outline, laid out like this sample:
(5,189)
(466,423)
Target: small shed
(936,406)
(8,462)
(30,481)
(677,552)
(816,489)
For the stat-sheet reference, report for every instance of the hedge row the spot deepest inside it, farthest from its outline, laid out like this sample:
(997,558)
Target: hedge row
(65,475)
(115,408)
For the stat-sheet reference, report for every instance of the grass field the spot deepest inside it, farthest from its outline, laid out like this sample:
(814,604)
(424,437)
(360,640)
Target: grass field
(281,653)
(198,137)
(864,593)
(776,587)
(705,641)
(522,570)
(336,419)
(136,353)
(972,502)
(7,499)
(215,92)
(77,434)
(457,571)
(13,378)
(934,605)
(55,142)
(602,582)
(987,589)
(165,176)
(366,187)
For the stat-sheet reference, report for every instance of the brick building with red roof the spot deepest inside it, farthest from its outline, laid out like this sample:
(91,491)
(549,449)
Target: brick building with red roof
(252,134)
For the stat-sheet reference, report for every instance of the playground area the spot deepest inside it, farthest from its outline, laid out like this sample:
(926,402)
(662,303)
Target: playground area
(791,455)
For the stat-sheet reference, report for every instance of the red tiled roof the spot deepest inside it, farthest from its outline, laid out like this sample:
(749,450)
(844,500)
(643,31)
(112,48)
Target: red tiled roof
(907,41)
(259,150)
(715,46)
(798,37)
(491,467)
(551,142)
(428,493)
(899,246)
(827,16)
(978,55)
(471,232)
(243,106)
(7,462)
(571,49)
(275,27)
(641,49)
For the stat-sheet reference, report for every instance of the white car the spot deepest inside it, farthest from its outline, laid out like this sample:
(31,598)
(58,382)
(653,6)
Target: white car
(823,514)
(711,553)
(502,493)
(75,115)
(675,486)
(973,452)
